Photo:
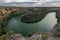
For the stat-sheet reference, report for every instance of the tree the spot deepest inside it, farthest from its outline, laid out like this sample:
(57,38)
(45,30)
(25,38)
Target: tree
(44,36)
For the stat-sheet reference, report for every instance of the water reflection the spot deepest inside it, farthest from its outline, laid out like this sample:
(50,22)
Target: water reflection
(45,25)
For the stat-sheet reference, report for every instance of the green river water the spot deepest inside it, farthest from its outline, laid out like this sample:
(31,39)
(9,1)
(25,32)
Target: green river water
(15,24)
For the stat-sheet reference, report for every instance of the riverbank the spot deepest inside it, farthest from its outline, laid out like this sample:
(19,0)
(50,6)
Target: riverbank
(35,36)
(5,12)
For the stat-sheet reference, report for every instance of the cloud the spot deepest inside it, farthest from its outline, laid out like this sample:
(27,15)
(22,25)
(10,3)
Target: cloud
(2,1)
(39,2)
(27,0)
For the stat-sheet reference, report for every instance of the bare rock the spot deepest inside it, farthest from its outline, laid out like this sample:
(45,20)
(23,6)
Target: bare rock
(17,37)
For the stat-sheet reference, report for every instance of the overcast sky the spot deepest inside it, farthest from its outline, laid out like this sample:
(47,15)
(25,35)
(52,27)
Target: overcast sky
(27,0)
(24,0)
(39,2)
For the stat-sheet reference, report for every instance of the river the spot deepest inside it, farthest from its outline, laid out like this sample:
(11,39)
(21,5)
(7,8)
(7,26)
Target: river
(46,24)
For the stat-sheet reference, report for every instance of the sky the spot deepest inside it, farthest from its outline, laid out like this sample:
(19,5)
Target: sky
(22,0)
(19,0)
(27,0)
(40,2)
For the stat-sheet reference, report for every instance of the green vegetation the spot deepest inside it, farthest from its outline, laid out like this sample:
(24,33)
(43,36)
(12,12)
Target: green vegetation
(58,29)
(44,36)
(34,17)
(31,33)
(6,20)
(8,13)
(57,33)
(6,36)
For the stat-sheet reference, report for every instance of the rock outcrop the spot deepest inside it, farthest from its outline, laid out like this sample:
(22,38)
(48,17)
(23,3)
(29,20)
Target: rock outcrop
(16,37)
(56,31)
